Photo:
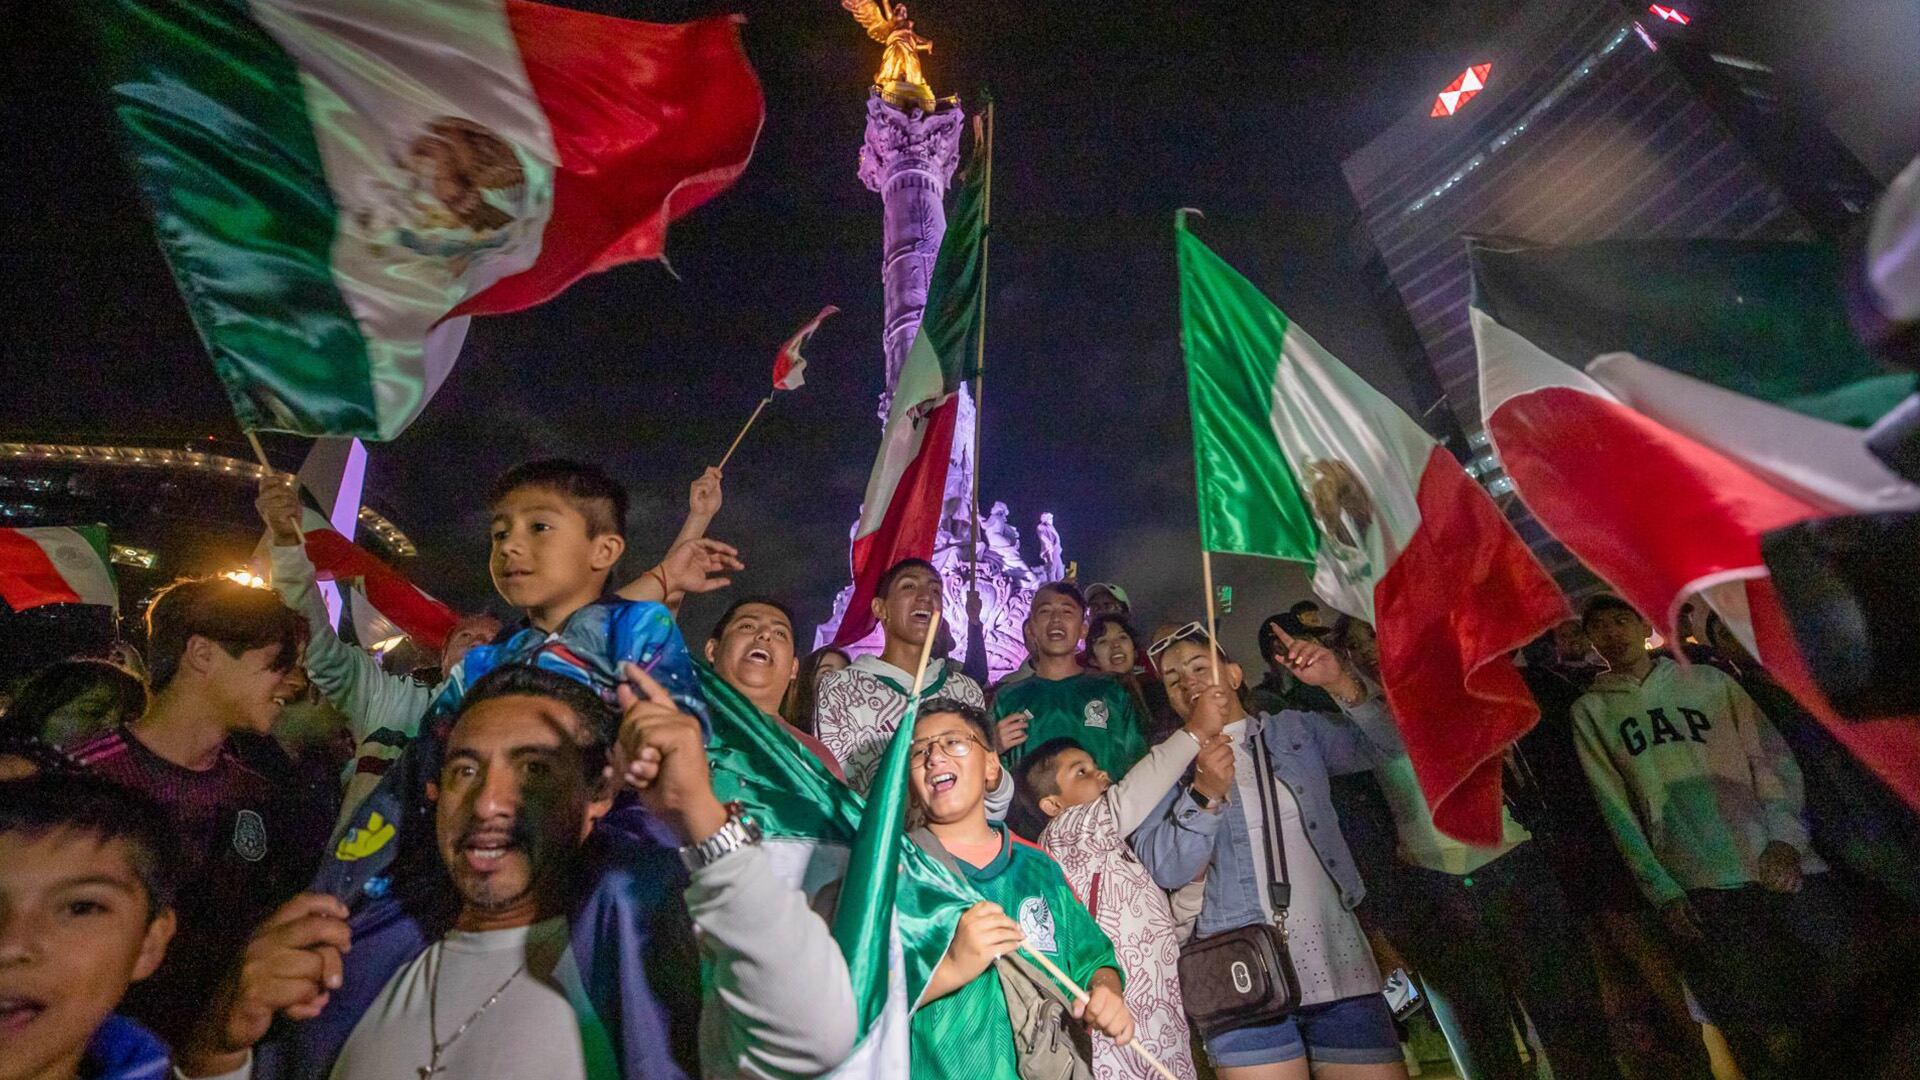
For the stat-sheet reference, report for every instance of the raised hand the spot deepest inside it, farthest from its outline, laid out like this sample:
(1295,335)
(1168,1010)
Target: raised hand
(1316,665)
(279,508)
(1213,768)
(1011,731)
(291,967)
(703,497)
(662,756)
(698,566)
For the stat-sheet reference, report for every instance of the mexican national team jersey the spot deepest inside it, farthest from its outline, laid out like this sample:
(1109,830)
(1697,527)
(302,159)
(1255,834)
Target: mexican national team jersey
(1093,710)
(966,1034)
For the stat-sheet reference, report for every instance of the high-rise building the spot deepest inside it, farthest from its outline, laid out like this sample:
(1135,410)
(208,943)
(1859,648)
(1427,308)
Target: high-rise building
(1582,121)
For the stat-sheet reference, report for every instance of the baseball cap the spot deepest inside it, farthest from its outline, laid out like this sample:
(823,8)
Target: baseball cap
(1112,590)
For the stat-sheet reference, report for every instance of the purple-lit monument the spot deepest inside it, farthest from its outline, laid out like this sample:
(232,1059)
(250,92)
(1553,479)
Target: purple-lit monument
(912,146)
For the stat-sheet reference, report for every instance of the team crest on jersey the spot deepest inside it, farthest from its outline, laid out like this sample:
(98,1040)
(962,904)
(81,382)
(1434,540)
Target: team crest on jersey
(250,836)
(1036,922)
(1095,714)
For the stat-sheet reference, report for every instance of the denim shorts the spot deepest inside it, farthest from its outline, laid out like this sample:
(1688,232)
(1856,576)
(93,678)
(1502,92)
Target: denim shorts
(1351,1031)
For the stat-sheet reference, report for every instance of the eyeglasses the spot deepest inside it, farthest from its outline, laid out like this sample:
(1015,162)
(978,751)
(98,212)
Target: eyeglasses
(1189,632)
(954,746)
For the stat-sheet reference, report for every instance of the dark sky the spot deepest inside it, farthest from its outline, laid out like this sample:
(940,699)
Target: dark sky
(1110,117)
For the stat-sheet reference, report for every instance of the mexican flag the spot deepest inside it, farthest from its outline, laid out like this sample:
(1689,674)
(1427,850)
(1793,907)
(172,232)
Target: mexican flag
(1742,315)
(56,566)
(1663,485)
(789,367)
(1298,458)
(338,185)
(900,516)
(399,601)
(897,907)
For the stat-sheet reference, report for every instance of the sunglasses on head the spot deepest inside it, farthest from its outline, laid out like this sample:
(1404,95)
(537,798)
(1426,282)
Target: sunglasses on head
(1193,631)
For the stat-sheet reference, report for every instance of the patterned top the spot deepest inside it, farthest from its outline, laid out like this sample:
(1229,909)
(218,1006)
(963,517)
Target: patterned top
(232,828)
(967,1033)
(1093,709)
(1089,842)
(860,707)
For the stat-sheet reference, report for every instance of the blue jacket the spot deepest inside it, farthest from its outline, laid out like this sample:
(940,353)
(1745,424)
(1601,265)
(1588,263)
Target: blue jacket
(1305,749)
(631,939)
(123,1050)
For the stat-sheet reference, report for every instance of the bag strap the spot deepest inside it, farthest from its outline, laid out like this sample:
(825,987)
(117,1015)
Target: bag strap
(1279,889)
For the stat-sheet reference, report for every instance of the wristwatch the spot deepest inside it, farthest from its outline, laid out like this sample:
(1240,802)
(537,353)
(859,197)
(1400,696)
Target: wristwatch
(739,832)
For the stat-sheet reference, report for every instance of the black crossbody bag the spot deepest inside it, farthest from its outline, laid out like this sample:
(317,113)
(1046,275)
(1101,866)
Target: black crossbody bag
(1244,977)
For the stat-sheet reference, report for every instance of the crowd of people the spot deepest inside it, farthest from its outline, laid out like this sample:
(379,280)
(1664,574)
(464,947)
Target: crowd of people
(250,850)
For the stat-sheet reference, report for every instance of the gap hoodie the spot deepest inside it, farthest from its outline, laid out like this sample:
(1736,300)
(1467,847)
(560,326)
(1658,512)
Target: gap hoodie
(1692,778)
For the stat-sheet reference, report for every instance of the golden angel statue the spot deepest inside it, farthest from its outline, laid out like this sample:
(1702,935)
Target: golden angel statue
(899,77)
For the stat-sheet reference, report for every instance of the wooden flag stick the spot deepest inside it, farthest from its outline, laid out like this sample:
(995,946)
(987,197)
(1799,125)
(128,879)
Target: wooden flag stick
(1213,636)
(259,452)
(764,402)
(920,673)
(1081,996)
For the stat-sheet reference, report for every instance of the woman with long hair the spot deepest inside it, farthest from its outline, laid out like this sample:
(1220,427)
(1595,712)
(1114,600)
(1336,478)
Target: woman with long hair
(798,708)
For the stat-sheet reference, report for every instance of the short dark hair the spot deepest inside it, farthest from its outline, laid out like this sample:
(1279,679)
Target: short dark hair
(1302,607)
(733,609)
(893,574)
(1061,588)
(1098,626)
(104,810)
(975,716)
(598,497)
(1603,603)
(60,683)
(1269,640)
(1037,771)
(597,718)
(237,617)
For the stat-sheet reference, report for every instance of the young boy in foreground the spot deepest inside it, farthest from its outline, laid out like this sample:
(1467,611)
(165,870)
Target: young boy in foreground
(961,1027)
(86,908)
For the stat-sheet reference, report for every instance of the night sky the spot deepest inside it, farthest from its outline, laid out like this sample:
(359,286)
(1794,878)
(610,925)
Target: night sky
(1110,117)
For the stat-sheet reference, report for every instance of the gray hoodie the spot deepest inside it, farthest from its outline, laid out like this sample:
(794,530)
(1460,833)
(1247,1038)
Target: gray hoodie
(1692,778)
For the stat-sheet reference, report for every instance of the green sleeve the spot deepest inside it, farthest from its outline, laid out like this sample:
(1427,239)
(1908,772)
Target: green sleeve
(1084,947)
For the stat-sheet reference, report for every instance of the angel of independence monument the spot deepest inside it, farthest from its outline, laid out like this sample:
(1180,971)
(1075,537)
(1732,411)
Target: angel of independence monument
(911,149)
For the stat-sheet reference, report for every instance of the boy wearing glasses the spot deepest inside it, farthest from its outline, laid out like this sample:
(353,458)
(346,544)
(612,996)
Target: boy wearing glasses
(961,1026)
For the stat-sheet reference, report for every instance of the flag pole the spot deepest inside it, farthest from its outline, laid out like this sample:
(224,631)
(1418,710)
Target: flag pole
(980,365)
(259,452)
(1213,634)
(728,456)
(1081,996)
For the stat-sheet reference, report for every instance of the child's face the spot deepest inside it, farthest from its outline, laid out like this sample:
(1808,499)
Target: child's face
(1079,780)
(1618,636)
(74,932)
(543,556)
(1113,651)
(951,769)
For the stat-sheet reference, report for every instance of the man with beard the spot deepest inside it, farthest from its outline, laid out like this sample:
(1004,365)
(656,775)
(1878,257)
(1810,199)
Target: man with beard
(569,952)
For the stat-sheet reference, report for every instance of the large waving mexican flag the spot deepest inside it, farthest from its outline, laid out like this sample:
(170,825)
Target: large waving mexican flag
(339,184)
(1299,458)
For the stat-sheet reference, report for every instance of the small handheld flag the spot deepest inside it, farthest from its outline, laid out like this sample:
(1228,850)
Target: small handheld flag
(789,367)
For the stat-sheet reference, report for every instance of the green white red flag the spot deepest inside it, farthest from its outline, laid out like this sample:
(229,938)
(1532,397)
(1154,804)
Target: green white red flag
(1299,458)
(900,516)
(1663,484)
(789,367)
(339,185)
(56,566)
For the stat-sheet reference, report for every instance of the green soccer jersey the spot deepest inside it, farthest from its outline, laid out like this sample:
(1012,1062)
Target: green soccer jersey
(967,1035)
(1094,710)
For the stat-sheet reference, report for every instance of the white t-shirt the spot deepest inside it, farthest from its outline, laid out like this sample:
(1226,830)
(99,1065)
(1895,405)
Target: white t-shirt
(531,1031)
(1330,951)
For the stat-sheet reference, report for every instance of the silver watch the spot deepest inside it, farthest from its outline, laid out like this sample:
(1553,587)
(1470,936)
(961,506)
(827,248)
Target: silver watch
(739,832)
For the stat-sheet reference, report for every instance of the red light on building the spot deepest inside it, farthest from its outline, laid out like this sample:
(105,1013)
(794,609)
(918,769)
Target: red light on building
(1672,15)
(1461,90)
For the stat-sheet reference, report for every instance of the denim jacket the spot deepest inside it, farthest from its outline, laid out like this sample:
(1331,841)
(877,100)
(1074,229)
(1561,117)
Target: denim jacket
(1305,749)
